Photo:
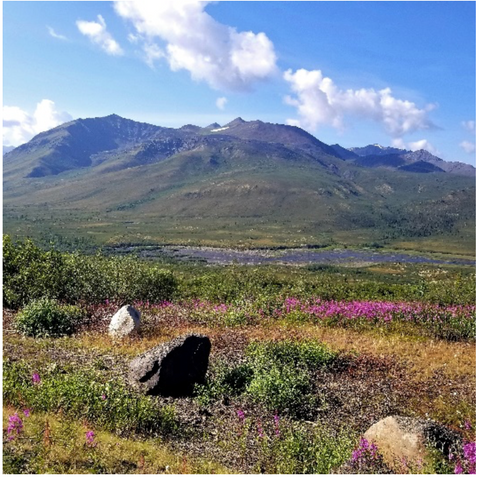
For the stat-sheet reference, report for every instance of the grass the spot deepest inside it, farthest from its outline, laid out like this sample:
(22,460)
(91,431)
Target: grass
(50,443)
(286,392)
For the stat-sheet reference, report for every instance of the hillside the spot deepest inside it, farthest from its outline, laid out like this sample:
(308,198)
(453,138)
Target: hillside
(245,183)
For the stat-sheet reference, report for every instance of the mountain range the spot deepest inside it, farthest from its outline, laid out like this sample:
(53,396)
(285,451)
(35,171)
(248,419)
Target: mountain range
(116,180)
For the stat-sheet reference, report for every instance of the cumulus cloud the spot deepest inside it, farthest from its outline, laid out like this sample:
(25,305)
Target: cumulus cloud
(192,40)
(98,34)
(469,126)
(468,147)
(221,102)
(319,101)
(56,35)
(20,126)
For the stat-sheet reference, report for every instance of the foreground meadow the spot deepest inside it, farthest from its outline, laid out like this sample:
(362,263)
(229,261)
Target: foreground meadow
(304,360)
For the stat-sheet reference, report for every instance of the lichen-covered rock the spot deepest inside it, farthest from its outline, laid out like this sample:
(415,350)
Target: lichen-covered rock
(124,322)
(172,368)
(404,440)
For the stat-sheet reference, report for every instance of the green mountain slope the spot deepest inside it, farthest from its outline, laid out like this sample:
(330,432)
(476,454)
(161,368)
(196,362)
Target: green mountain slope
(252,183)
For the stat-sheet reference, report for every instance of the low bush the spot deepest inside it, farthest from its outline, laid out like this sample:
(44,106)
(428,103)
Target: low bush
(31,273)
(277,375)
(47,318)
(282,378)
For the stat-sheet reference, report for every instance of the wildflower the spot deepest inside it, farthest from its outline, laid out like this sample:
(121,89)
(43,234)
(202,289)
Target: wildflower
(470,454)
(35,378)
(104,397)
(15,426)
(26,412)
(241,415)
(90,438)
(458,469)
(467,425)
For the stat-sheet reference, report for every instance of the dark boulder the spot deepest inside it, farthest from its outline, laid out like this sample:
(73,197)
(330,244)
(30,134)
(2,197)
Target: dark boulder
(172,368)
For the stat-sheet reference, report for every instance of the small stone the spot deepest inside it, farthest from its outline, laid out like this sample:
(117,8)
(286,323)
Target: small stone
(124,322)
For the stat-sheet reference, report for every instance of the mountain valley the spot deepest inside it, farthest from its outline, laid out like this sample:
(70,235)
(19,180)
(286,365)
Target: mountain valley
(112,180)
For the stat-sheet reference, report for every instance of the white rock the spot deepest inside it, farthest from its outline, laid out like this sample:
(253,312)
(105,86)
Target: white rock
(124,322)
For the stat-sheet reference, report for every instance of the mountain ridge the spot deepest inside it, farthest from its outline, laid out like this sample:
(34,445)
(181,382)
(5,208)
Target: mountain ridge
(268,183)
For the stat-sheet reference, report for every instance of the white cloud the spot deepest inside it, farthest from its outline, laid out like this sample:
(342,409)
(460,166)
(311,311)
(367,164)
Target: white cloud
(320,102)
(152,53)
(221,102)
(468,147)
(98,34)
(56,35)
(469,126)
(192,40)
(416,145)
(20,126)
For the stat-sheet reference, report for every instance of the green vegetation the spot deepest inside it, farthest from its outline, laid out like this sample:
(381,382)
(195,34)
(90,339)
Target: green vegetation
(47,318)
(303,361)
(86,394)
(31,273)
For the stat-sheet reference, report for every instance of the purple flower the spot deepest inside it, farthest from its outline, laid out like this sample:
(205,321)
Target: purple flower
(241,415)
(15,426)
(470,452)
(26,412)
(35,378)
(468,425)
(90,438)
(458,469)
(104,397)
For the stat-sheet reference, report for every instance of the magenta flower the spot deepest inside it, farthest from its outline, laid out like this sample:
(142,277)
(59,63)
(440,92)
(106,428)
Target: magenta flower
(468,425)
(15,426)
(90,438)
(241,415)
(26,412)
(104,397)
(35,378)
(458,469)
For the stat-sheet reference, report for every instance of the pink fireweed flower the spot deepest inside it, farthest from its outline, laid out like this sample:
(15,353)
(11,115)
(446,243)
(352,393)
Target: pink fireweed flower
(26,412)
(104,397)
(241,415)
(90,438)
(470,454)
(15,426)
(458,469)
(467,425)
(35,378)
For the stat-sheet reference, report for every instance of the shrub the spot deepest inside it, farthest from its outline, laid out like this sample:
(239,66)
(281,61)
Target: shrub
(286,389)
(47,318)
(224,381)
(31,273)
(282,374)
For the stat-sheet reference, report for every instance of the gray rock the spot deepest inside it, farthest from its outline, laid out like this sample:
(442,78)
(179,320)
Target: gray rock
(404,440)
(124,322)
(172,368)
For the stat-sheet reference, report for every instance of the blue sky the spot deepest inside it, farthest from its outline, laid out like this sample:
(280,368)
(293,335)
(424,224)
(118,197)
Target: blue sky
(353,73)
